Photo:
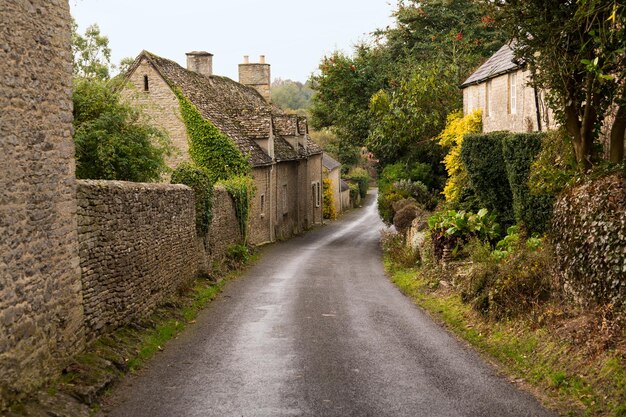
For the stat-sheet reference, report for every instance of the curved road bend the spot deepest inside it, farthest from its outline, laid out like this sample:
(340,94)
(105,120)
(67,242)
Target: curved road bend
(316,329)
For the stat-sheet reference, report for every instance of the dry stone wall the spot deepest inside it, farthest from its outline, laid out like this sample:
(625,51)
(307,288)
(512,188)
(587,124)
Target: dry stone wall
(137,246)
(224,229)
(41,312)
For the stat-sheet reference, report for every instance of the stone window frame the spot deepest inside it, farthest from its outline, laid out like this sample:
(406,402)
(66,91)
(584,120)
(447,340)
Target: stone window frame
(262,197)
(512,93)
(315,185)
(488,98)
(285,205)
(146,83)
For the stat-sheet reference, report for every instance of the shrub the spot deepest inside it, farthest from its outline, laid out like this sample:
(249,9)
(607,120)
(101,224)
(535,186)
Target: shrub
(362,178)
(519,151)
(554,166)
(399,253)
(198,179)
(589,234)
(329,210)
(482,156)
(113,140)
(237,255)
(451,137)
(511,287)
(385,205)
(405,212)
(355,195)
(417,191)
(453,229)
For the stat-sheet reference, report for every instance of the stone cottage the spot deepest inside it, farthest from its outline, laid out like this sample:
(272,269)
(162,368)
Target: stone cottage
(332,171)
(286,163)
(500,89)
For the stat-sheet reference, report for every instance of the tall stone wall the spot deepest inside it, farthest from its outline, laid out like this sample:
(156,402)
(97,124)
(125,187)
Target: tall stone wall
(40,293)
(137,246)
(262,206)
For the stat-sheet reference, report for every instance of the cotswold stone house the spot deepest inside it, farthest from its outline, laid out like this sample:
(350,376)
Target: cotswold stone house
(331,169)
(286,164)
(500,89)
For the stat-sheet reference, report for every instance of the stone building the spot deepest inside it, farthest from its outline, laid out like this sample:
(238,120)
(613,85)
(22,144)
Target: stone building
(500,88)
(332,171)
(41,311)
(286,163)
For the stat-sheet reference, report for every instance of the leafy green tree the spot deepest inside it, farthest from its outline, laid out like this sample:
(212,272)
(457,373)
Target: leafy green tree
(113,140)
(576,53)
(291,95)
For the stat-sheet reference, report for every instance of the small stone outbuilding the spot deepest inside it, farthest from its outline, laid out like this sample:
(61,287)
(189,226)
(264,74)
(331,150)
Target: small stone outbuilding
(332,171)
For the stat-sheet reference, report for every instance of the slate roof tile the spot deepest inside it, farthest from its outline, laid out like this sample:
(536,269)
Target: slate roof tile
(501,62)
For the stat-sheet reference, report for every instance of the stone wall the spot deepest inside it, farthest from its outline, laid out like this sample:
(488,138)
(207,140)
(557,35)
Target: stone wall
(314,174)
(137,246)
(41,312)
(224,229)
(287,197)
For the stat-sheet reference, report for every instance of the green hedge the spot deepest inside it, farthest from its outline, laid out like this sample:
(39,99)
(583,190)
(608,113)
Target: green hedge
(199,180)
(481,154)
(519,151)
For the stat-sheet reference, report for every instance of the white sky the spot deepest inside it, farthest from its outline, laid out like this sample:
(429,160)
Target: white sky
(293,35)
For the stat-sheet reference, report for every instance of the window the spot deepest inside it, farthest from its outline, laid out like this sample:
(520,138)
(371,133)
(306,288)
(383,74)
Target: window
(146,86)
(262,205)
(285,208)
(315,188)
(488,98)
(513,93)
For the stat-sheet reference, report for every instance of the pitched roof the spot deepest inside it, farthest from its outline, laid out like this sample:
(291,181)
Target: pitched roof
(329,162)
(499,63)
(343,186)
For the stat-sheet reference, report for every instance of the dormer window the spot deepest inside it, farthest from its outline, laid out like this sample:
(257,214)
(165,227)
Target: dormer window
(146,85)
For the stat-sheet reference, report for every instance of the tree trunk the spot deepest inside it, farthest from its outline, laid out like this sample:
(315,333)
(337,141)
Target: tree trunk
(582,137)
(618,135)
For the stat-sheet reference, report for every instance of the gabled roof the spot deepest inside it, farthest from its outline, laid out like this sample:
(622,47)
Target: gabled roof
(329,162)
(343,186)
(500,63)
(237,110)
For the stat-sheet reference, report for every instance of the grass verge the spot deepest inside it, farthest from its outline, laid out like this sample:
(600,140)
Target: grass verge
(557,369)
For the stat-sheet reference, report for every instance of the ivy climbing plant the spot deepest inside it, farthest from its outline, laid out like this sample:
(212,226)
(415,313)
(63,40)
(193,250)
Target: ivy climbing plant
(241,188)
(209,148)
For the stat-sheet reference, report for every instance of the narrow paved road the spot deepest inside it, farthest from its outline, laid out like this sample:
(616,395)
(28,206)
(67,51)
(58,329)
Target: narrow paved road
(316,329)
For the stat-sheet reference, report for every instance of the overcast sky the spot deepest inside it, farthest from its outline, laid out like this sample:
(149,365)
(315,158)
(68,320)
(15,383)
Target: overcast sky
(293,34)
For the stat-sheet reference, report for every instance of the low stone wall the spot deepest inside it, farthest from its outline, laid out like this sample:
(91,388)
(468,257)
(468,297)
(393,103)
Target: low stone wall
(137,245)
(224,229)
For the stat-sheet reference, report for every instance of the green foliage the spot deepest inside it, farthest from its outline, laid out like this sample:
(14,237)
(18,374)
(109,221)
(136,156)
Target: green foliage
(329,210)
(450,229)
(208,147)
(575,52)
(395,248)
(355,195)
(589,233)
(507,288)
(198,179)
(241,188)
(91,53)
(482,156)
(413,112)
(291,95)
(554,166)
(237,255)
(361,178)
(519,151)
(512,241)
(113,140)
(451,138)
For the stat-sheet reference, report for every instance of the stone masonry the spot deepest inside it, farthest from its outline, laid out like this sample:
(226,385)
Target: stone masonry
(41,312)
(224,229)
(137,246)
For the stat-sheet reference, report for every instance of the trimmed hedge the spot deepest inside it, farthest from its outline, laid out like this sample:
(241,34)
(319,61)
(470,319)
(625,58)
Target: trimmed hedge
(481,154)
(519,151)
(199,180)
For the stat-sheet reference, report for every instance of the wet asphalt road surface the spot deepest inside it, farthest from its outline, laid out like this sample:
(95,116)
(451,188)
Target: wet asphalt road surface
(315,328)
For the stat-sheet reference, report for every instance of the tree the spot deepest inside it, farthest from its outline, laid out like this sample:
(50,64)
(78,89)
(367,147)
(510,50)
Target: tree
(575,51)
(113,140)
(291,95)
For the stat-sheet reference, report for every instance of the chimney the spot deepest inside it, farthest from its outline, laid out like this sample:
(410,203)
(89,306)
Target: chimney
(200,62)
(256,76)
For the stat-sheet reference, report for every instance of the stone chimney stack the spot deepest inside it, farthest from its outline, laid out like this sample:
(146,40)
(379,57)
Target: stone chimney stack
(256,76)
(200,62)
